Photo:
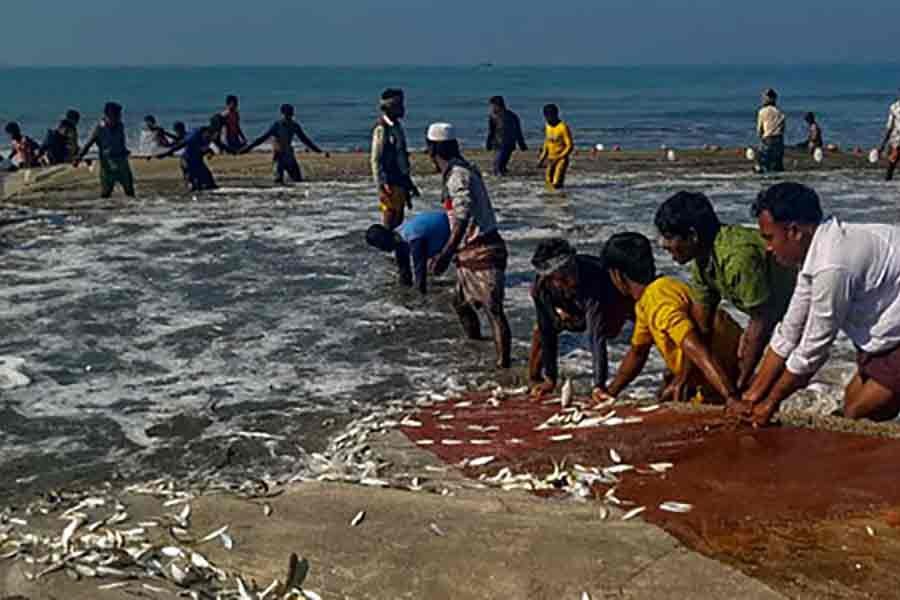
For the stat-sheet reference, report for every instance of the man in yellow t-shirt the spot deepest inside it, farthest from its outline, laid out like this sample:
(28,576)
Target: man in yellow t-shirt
(558,147)
(663,319)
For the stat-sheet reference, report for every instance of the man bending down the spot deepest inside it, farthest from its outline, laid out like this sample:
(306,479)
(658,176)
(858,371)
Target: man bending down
(663,318)
(849,281)
(475,244)
(421,238)
(573,292)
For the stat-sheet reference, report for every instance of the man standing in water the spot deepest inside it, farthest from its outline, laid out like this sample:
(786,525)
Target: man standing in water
(849,281)
(770,124)
(282,133)
(109,135)
(892,139)
(504,133)
(233,134)
(573,292)
(728,262)
(390,160)
(196,147)
(475,244)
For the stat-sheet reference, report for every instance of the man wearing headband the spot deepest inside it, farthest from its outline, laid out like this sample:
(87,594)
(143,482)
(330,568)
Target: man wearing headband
(573,292)
(475,244)
(390,160)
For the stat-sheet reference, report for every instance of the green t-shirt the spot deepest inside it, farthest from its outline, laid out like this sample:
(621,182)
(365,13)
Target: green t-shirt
(742,272)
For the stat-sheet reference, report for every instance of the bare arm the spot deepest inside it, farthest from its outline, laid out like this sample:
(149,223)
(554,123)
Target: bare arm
(259,141)
(753,344)
(172,150)
(301,135)
(442,261)
(700,356)
(88,145)
(631,367)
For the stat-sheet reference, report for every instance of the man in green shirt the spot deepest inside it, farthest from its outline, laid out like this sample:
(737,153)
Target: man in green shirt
(729,263)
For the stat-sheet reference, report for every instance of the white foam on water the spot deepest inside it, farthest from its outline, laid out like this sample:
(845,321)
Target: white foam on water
(259,297)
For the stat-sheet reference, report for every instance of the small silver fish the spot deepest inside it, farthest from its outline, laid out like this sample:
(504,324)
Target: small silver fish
(360,516)
(633,513)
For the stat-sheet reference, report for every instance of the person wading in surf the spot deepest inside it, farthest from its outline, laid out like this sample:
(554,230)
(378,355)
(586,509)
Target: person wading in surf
(196,147)
(475,244)
(109,135)
(892,139)
(390,160)
(282,133)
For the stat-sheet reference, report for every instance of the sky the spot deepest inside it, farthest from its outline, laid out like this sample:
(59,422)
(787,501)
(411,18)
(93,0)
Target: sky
(429,32)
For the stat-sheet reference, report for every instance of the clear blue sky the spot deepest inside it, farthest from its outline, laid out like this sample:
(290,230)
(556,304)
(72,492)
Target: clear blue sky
(95,32)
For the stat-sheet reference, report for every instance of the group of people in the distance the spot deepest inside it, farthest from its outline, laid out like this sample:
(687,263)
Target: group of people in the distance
(800,279)
(505,135)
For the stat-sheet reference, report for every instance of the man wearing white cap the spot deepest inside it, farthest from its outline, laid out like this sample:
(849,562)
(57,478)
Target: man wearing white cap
(475,244)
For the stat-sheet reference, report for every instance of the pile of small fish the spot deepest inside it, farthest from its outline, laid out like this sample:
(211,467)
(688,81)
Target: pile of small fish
(349,458)
(160,555)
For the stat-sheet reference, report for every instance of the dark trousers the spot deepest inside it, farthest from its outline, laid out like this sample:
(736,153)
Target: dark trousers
(197,175)
(286,162)
(771,154)
(501,160)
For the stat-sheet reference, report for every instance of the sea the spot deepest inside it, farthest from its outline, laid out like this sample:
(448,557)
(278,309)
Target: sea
(159,338)
(634,107)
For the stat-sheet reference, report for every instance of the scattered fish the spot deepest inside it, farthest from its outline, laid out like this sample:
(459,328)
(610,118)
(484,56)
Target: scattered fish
(633,513)
(649,409)
(436,530)
(481,461)
(214,534)
(565,398)
(616,458)
(676,507)
(360,516)
(661,467)
(425,443)
(451,442)
(561,438)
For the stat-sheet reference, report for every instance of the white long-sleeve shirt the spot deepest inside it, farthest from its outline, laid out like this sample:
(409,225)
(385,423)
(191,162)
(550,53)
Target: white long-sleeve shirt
(850,282)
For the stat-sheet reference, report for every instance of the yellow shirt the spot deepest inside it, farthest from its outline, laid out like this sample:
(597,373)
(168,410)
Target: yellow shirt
(557,142)
(662,318)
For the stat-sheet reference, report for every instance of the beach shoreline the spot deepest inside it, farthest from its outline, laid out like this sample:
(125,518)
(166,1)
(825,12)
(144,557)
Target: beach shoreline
(58,186)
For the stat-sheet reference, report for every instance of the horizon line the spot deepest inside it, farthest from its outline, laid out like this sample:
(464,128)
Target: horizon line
(482,65)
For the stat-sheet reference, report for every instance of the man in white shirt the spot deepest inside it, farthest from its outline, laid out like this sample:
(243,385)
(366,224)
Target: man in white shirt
(849,281)
(770,123)
(892,138)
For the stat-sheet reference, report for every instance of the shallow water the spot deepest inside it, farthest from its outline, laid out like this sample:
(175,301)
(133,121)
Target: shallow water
(154,333)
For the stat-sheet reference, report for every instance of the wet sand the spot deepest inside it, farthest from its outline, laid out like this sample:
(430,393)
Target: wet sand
(62,187)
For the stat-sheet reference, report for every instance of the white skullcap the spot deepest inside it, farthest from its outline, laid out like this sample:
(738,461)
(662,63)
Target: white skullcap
(441,132)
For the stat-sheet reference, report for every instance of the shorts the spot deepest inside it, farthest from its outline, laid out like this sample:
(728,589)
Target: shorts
(396,202)
(113,171)
(883,367)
